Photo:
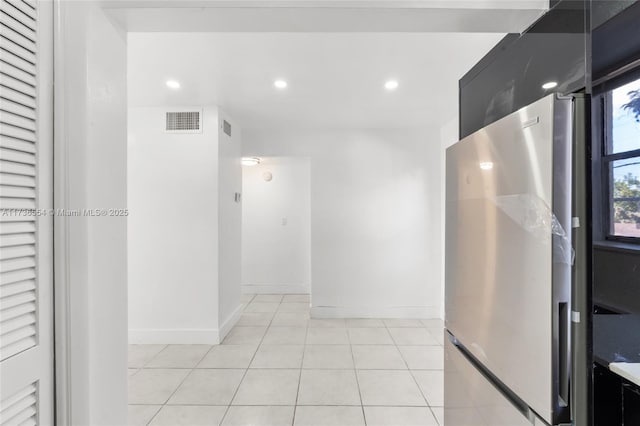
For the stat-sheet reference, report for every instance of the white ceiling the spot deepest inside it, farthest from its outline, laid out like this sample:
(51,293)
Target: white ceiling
(434,4)
(501,16)
(335,79)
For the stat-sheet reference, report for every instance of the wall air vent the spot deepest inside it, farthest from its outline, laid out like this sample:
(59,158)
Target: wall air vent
(226,127)
(183,122)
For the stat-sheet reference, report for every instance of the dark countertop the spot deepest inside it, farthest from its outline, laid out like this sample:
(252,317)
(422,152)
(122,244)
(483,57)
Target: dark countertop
(616,338)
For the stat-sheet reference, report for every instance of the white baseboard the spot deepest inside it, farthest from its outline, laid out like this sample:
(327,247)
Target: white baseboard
(177,336)
(417,312)
(275,289)
(228,324)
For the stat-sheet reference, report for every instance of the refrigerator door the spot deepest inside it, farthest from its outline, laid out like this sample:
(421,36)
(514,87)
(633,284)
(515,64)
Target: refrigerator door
(471,399)
(508,252)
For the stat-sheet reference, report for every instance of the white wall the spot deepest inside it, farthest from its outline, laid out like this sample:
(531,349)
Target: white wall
(449,133)
(375,218)
(229,224)
(90,252)
(276,226)
(184,229)
(173,230)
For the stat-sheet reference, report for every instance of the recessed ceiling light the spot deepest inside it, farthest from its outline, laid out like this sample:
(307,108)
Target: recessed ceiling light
(391,85)
(486,165)
(280,84)
(549,85)
(250,161)
(172,84)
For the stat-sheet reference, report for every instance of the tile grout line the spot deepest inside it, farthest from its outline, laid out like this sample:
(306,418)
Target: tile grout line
(442,349)
(414,379)
(304,347)
(170,396)
(154,357)
(143,365)
(412,375)
(425,397)
(155,415)
(246,370)
(205,355)
(355,372)
(428,404)
(179,385)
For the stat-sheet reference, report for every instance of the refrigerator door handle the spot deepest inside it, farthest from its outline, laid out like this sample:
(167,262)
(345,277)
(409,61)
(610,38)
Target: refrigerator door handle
(503,389)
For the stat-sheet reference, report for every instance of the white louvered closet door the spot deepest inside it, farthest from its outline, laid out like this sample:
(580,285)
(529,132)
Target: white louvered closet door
(26,197)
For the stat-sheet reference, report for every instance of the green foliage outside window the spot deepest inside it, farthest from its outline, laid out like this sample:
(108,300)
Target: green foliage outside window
(627,211)
(634,104)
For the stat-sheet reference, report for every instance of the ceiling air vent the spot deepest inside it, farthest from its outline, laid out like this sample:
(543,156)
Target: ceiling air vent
(183,122)
(226,127)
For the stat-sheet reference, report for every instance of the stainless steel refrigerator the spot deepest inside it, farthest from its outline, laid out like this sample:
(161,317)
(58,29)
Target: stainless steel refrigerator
(509,260)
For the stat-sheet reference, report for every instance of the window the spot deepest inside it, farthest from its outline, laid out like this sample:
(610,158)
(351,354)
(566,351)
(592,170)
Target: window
(622,159)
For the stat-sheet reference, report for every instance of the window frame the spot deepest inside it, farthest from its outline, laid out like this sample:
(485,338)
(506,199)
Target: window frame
(604,144)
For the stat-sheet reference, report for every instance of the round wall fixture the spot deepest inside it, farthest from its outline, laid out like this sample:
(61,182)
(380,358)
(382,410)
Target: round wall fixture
(267,176)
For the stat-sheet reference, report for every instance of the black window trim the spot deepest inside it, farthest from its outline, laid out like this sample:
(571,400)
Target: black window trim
(602,155)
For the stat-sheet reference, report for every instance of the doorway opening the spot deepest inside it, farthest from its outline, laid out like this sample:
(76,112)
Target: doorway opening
(370,107)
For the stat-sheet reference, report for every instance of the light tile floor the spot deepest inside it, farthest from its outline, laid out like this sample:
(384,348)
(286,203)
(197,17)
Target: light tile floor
(277,367)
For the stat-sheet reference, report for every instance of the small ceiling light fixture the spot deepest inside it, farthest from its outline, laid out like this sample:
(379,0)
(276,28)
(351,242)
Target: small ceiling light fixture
(550,85)
(250,161)
(280,84)
(391,85)
(172,84)
(486,165)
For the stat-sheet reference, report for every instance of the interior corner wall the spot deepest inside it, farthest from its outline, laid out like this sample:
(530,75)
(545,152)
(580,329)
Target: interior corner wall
(229,223)
(276,226)
(107,189)
(375,218)
(173,230)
